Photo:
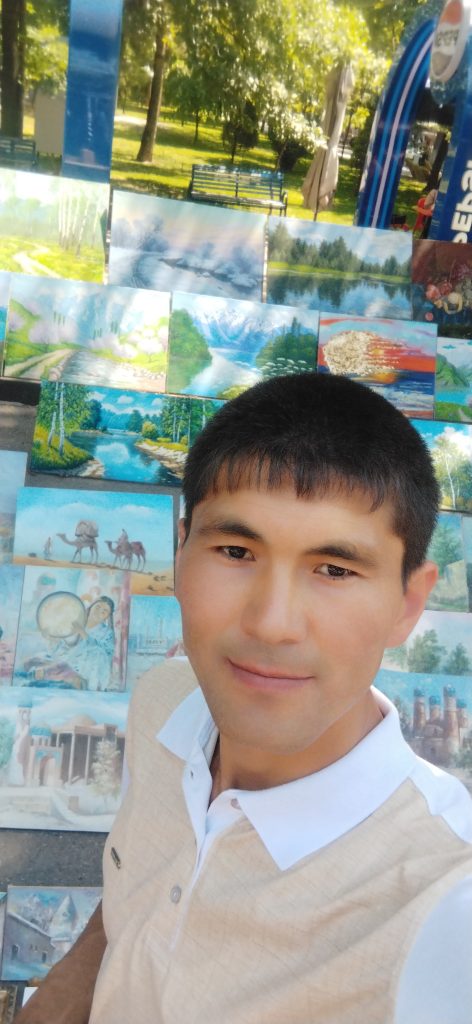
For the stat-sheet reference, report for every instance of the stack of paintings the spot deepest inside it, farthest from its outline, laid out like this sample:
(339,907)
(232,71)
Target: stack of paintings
(41,925)
(453,387)
(450,445)
(155,634)
(442,286)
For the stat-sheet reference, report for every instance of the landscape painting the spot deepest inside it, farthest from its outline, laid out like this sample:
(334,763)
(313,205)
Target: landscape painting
(442,286)
(52,226)
(155,634)
(219,347)
(337,269)
(61,758)
(395,358)
(170,245)
(466,524)
(73,628)
(115,435)
(12,477)
(41,926)
(429,678)
(447,550)
(107,529)
(4,294)
(450,445)
(453,388)
(87,333)
(11,586)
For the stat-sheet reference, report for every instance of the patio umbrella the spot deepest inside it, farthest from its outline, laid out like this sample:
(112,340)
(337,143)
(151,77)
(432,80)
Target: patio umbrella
(322,177)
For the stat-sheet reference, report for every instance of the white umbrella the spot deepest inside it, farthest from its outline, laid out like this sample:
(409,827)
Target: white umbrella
(320,183)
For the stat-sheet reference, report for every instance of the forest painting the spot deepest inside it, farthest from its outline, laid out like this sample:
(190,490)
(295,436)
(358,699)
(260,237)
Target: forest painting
(219,347)
(155,633)
(453,389)
(108,529)
(73,628)
(447,550)
(12,477)
(87,333)
(114,434)
(442,286)
(164,244)
(41,926)
(353,270)
(11,586)
(61,758)
(52,226)
(396,359)
(450,445)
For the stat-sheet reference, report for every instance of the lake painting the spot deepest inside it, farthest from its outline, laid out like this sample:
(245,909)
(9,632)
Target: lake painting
(353,270)
(453,390)
(447,550)
(450,445)
(220,347)
(87,333)
(115,435)
(395,358)
(155,634)
(442,286)
(168,245)
(52,226)
(12,477)
(11,587)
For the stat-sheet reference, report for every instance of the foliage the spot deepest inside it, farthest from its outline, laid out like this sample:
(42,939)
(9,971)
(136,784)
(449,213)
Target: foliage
(292,351)
(445,547)
(425,652)
(135,422)
(46,457)
(150,430)
(240,131)
(291,134)
(458,663)
(328,255)
(190,352)
(453,469)
(7,733)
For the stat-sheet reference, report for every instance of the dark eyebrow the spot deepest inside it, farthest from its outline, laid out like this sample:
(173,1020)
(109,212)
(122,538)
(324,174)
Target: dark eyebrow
(347,552)
(231,526)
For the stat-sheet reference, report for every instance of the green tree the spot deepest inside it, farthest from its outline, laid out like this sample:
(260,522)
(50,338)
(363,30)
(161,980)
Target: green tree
(135,422)
(425,652)
(189,351)
(445,547)
(150,430)
(292,351)
(453,469)
(7,733)
(458,663)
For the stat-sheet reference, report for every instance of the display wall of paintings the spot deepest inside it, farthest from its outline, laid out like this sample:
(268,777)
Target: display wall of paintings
(395,358)
(450,445)
(114,434)
(338,269)
(52,226)
(41,925)
(453,387)
(442,286)
(12,476)
(87,333)
(171,245)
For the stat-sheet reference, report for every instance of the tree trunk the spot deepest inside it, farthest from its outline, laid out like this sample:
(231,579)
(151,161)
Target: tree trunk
(197,124)
(152,118)
(12,75)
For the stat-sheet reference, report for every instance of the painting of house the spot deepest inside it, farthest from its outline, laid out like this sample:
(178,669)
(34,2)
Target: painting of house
(442,286)
(41,926)
(453,387)
(12,477)
(155,634)
(450,445)
(447,550)
(11,587)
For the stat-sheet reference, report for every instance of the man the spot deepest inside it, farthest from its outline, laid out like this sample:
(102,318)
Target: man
(281,855)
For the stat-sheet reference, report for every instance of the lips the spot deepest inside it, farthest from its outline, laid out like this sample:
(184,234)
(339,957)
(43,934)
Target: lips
(267,678)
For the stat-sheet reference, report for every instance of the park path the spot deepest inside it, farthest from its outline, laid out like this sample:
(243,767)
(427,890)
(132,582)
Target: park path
(31,266)
(40,363)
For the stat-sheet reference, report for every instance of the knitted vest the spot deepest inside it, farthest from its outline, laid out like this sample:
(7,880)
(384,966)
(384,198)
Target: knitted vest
(320,943)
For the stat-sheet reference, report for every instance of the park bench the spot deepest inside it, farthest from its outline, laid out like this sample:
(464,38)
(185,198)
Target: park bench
(237,187)
(17,152)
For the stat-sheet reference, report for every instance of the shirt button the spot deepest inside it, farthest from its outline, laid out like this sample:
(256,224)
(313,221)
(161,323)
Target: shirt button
(175,893)
(235,803)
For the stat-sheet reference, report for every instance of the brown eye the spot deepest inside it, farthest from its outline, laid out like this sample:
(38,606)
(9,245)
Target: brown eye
(233,551)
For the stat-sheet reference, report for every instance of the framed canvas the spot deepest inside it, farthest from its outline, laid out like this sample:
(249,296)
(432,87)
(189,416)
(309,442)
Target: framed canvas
(447,550)
(466,525)
(453,386)
(12,477)
(442,286)
(41,926)
(4,294)
(9,995)
(11,587)
(155,634)
(450,445)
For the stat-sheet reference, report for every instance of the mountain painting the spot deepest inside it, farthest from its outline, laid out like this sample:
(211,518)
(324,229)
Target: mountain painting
(353,270)
(453,389)
(220,347)
(52,226)
(447,550)
(115,435)
(169,245)
(395,358)
(107,529)
(155,634)
(442,286)
(450,445)
(87,333)
(12,477)
(11,587)
(41,925)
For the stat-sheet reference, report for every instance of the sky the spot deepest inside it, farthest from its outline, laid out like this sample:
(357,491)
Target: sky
(208,306)
(371,244)
(457,350)
(12,476)
(147,611)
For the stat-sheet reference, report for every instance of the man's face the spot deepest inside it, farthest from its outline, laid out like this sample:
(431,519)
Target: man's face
(288,604)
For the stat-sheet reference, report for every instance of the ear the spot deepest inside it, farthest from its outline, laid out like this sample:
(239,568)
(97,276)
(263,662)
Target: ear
(418,586)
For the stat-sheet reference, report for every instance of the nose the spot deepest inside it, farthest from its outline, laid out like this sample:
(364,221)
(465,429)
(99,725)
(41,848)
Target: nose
(273,611)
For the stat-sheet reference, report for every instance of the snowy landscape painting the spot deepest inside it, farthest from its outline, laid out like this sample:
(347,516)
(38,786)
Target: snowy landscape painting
(87,333)
(450,445)
(395,358)
(447,550)
(11,587)
(219,347)
(453,388)
(442,285)
(169,245)
(12,477)
(41,925)
(155,633)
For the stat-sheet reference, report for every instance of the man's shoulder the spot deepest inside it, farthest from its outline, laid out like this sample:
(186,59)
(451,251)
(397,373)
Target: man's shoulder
(159,691)
(446,797)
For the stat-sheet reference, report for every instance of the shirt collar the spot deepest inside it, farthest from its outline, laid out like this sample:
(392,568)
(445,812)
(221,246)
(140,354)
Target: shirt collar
(297,819)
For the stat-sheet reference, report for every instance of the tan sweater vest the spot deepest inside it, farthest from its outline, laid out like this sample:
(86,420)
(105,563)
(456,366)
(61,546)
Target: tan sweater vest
(320,943)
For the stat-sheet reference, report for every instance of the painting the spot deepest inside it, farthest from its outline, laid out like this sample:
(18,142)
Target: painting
(87,333)
(450,445)
(3,903)
(8,1002)
(155,633)
(442,286)
(52,226)
(42,924)
(73,628)
(11,587)
(447,550)
(115,435)
(61,758)
(337,269)
(107,529)
(170,245)
(12,477)
(219,347)
(395,358)
(429,678)
(466,525)
(453,387)
(4,294)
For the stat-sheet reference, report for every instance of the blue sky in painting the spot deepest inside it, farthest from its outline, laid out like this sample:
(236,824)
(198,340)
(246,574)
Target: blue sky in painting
(12,477)
(372,244)
(457,351)
(52,708)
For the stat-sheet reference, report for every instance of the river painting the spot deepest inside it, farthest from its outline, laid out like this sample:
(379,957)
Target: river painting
(453,389)
(352,270)
(155,634)
(87,333)
(115,435)
(169,245)
(50,921)
(447,550)
(442,286)
(11,587)
(107,529)
(220,347)
(450,445)
(12,477)
(52,226)
(396,359)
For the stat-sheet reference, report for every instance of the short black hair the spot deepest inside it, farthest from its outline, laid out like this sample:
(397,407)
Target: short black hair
(324,434)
